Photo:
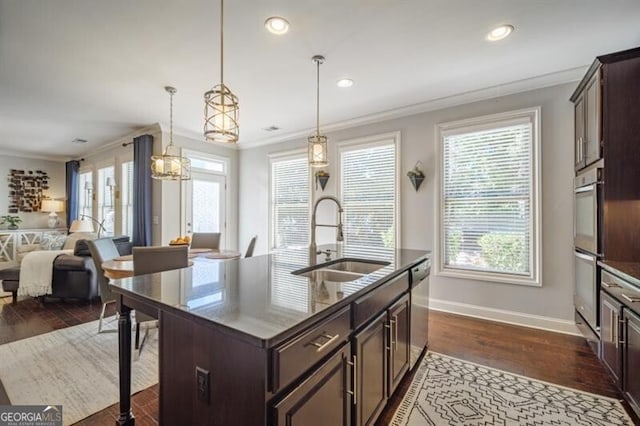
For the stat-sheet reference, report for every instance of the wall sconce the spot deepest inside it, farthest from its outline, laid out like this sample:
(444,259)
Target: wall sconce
(111,184)
(416,175)
(322,177)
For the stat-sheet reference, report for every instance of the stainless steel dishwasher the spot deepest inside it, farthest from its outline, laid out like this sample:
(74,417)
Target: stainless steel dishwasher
(419,310)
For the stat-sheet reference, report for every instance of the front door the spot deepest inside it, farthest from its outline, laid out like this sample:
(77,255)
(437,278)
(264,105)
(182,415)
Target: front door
(205,196)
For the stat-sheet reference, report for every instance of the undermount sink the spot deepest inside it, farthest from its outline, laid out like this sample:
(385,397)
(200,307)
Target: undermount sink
(356,266)
(342,270)
(331,275)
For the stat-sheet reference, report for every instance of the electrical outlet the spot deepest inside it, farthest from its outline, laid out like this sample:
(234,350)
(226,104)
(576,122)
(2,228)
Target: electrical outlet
(202,384)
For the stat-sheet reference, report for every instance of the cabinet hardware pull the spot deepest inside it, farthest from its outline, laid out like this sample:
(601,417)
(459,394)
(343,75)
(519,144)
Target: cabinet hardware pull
(609,285)
(354,392)
(614,328)
(611,325)
(395,331)
(387,325)
(632,299)
(322,346)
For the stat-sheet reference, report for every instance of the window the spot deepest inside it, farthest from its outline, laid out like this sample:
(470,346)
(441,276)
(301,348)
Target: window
(106,210)
(489,183)
(368,176)
(289,202)
(126,197)
(85,190)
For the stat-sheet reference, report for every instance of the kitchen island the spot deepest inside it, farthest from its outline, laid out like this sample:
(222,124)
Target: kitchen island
(279,338)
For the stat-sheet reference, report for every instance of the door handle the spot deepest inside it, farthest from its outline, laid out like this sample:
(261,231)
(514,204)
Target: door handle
(354,392)
(609,285)
(323,346)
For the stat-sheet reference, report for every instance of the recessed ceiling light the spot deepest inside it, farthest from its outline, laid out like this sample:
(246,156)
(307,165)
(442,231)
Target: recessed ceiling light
(344,82)
(500,32)
(277,25)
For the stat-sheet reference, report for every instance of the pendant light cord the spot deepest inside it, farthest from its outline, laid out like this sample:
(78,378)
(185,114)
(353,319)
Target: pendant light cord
(171,118)
(221,42)
(318,97)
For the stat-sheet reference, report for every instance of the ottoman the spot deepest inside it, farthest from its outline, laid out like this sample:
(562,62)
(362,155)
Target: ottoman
(10,280)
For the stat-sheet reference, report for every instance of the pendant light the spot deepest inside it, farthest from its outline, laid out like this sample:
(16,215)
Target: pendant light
(220,104)
(170,165)
(318,152)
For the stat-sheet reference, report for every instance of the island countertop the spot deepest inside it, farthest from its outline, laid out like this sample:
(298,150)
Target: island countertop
(258,299)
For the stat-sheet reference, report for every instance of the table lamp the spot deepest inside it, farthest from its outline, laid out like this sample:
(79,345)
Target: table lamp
(52,206)
(85,224)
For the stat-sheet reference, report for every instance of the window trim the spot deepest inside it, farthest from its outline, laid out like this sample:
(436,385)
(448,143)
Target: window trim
(533,114)
(372,141)
(284,156)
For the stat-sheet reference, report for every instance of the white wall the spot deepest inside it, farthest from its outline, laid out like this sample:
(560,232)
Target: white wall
(56,172)
(549,306)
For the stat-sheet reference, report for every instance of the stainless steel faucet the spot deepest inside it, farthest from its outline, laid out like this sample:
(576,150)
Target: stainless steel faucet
(339,235)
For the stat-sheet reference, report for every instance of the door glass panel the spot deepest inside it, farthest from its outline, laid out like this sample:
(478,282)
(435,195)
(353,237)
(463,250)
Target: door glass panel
(206,209)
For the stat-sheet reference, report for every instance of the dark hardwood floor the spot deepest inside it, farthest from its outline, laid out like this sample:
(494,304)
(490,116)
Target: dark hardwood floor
(557,358)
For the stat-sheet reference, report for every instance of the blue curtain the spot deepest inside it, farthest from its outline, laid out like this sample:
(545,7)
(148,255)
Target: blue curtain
(73,174)
(142,151)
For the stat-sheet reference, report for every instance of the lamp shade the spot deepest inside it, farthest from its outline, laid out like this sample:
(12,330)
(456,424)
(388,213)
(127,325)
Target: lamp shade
(82,225)
(52,206)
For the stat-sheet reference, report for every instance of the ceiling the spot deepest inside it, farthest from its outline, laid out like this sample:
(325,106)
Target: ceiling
(96,69)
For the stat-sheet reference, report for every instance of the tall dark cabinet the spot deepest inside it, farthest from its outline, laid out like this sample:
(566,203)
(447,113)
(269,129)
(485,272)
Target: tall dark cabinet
(607,214)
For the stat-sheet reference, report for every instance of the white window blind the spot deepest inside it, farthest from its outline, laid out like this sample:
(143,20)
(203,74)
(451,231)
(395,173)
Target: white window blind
(85,189)
(106,212)
(368,189)
(489,199)
(289,203)
(126,197)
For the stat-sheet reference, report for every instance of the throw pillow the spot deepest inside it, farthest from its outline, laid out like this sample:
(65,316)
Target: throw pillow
(52,241)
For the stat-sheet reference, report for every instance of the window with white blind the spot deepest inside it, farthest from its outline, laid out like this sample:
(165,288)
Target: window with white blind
(126,198)
(290,187)
(489,193)
(106,197)
(85,189)
(368,189)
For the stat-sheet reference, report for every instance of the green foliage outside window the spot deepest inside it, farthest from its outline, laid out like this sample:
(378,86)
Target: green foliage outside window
(504,252)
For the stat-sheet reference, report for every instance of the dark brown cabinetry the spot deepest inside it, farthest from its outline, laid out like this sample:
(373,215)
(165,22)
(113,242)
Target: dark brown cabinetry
(323,398)
(370,365)
(610,352)
(588,122)
(399,318)
(631,359)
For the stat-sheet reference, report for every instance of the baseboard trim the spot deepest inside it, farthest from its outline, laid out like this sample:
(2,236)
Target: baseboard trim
(499,315)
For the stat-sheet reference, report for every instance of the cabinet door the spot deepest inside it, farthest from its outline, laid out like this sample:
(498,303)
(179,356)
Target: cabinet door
(592,117)
(631,359)
(579,132)
(370,359)
(610,352)
(399,345)
(322,399)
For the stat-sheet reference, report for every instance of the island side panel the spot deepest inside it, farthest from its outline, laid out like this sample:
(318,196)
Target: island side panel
(236,374)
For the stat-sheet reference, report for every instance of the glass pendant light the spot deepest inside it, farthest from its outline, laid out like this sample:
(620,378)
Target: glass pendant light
(170,165)
(220,104)
(317,143)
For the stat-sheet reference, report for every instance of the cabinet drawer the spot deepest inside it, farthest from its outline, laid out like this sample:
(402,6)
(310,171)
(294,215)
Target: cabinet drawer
(376,301)
(293,358)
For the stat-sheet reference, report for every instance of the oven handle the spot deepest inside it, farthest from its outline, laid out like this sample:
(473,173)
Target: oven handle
(587,188)
(585,256)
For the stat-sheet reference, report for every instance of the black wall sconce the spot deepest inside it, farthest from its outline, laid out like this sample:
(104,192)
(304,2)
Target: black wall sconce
(322,177)
(416,175)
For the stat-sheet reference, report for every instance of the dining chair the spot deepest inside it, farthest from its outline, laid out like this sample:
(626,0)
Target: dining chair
(148,260)
(102,250)
(205,240)
(251,246)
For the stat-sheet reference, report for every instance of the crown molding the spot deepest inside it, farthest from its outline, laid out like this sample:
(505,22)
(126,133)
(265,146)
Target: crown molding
(518,86)
(196,136)
(22,154)
(152,129)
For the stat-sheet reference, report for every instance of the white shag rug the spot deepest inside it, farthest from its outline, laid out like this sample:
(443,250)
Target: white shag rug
(74,367)
(449,391)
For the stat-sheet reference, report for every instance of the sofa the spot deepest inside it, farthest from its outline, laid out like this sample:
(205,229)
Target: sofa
(74,276)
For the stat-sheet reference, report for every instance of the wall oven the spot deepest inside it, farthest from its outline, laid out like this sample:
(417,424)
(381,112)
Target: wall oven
(588,210)
(587,288)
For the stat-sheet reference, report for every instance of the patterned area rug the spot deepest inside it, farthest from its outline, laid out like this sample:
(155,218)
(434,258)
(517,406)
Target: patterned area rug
(74,367)
(449,391)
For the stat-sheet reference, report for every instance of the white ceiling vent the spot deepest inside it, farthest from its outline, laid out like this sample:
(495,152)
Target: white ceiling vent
(271,128)
(79,141)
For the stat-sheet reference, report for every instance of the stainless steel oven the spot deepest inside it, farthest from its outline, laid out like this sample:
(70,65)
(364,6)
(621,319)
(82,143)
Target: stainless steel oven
(586,290)
(588,208)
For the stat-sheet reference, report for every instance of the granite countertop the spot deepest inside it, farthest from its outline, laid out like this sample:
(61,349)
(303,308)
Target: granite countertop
(629,271)
(258,296)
